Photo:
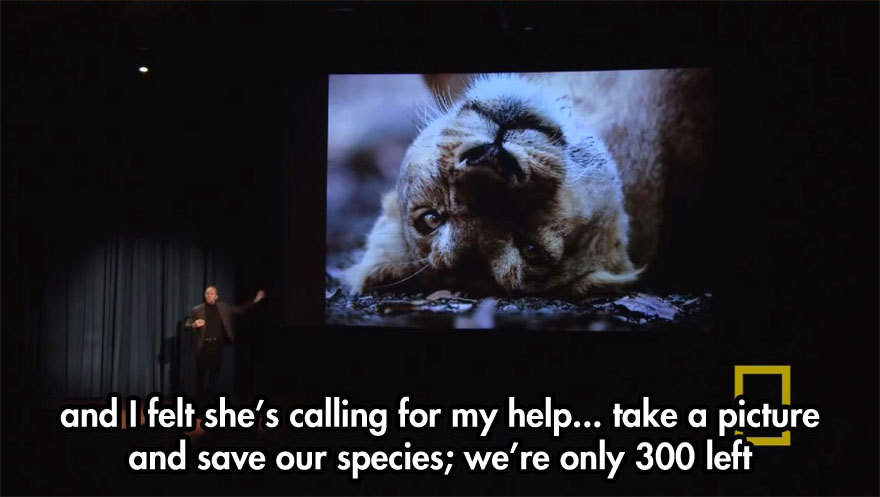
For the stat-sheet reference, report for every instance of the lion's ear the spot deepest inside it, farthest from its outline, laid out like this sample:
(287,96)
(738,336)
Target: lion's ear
(610,280)
(605,282)
(611,269)
(386,250)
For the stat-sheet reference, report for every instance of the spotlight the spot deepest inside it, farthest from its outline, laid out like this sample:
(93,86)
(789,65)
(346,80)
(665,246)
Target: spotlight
(144,69)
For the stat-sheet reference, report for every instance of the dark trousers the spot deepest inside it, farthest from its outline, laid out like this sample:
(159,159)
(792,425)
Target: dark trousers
(209,360)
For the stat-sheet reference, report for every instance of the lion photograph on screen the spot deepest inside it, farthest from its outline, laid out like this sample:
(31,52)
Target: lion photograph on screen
(512,186)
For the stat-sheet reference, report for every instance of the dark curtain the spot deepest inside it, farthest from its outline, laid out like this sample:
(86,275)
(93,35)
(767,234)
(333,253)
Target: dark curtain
(109,319)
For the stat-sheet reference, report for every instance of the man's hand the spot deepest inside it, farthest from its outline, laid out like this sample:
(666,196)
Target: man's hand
(199,323)
(260,296)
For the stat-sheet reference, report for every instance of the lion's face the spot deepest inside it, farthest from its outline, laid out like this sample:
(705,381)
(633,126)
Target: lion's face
(503,191)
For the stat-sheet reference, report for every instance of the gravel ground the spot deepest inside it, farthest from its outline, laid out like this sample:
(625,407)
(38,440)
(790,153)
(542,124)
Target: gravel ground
(635,311)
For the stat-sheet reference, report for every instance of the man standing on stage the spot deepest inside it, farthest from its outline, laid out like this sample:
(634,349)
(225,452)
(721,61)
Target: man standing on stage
(214,324)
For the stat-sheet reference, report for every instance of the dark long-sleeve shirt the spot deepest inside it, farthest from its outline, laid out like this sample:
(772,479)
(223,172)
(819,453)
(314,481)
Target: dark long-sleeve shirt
(213,323)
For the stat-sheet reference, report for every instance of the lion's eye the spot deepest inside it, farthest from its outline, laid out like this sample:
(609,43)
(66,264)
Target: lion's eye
(429,221)
(531,251)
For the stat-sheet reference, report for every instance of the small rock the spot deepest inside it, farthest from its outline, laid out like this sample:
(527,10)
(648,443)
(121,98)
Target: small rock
(460,306)
(441,294)
(649,306)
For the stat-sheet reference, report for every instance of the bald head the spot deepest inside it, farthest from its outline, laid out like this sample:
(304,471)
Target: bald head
(211,294)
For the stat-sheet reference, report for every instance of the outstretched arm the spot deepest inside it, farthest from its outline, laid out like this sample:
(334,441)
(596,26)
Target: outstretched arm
(249,304)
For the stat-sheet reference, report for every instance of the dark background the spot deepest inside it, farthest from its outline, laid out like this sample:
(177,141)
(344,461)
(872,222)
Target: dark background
(212,166)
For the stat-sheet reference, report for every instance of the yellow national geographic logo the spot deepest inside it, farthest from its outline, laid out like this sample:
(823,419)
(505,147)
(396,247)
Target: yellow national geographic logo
(785,373)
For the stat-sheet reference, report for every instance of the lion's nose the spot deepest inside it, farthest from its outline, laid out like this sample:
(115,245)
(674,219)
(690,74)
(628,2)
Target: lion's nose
(495,158)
